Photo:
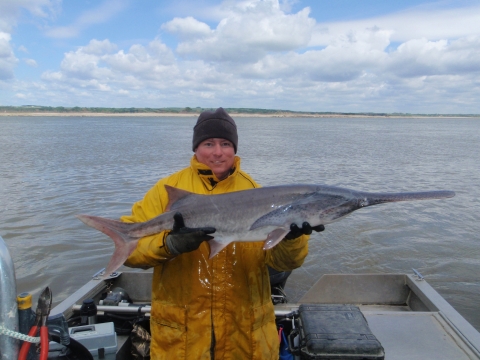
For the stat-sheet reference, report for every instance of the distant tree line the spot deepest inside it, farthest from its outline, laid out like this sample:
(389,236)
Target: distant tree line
(187,110)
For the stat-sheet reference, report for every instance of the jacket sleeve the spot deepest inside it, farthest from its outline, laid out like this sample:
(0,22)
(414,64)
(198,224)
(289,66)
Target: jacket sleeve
(288,254)
(150,250)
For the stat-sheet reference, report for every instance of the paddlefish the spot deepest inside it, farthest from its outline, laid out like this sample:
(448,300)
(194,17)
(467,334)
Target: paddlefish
(262,214)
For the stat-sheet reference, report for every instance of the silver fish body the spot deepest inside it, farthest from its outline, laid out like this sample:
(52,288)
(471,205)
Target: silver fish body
(263,214)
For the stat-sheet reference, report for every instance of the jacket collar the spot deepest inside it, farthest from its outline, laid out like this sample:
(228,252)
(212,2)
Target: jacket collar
(208,177)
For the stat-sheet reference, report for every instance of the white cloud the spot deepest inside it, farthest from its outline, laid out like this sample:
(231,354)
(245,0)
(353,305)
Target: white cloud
(420,57)
(31,62)
(249,31)
(97,47)
(286,5)
(154,61)
(7,57)
(5,36)
(419,22)
(187,27)
(96,66)
(10,11)
(348,57)
(98,15)
(64,32)
(83,66)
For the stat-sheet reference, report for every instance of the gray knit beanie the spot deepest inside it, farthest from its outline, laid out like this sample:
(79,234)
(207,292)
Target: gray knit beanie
(215,124)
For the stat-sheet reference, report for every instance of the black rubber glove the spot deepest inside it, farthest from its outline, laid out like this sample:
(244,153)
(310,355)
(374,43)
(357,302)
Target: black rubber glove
(183,239)
(306,229)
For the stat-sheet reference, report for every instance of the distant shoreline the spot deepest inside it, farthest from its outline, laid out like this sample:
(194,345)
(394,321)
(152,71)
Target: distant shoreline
(234,114)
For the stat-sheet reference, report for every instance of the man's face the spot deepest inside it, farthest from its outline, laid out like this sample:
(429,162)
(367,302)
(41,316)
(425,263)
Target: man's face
(218,154)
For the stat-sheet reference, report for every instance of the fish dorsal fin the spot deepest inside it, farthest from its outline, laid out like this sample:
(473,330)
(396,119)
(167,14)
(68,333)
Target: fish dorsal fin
(175,194)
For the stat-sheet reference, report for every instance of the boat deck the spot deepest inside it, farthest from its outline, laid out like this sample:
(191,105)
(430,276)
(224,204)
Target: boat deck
(408,317)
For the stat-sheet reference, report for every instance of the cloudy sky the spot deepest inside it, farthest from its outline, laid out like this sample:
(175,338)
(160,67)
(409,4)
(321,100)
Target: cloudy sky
(418,56)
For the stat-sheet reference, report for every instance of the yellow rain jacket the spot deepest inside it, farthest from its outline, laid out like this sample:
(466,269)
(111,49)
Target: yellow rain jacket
(194,296)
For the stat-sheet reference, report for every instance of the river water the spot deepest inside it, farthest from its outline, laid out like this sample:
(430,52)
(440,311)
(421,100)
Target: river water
(52,168)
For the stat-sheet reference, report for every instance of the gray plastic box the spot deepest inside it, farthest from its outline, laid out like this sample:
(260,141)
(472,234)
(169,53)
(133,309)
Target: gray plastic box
(99,339)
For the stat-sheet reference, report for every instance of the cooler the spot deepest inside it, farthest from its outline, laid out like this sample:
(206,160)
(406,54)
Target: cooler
(334,332)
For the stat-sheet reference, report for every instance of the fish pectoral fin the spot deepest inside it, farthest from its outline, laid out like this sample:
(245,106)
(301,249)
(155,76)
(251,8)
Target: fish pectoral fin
(216,246)
(274,237)
(283,214)
(273,218)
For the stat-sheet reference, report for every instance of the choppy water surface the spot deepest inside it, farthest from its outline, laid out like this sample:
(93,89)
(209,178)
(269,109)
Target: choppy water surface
(52,168)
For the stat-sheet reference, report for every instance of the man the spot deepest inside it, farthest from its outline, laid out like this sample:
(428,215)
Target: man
(217,308)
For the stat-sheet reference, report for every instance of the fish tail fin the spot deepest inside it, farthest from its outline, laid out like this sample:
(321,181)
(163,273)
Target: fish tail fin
(119,232)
